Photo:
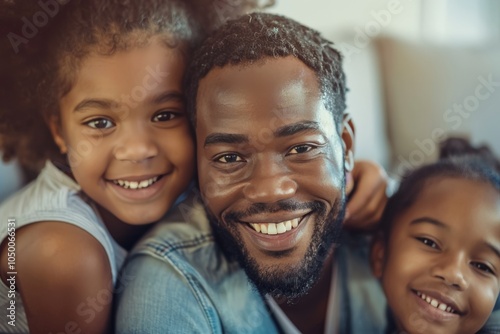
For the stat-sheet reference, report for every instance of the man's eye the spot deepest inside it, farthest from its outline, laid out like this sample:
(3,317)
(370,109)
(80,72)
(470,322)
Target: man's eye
(428,242)
(229,158)
(300,149)
(164,116)
(100,123)
(483,267)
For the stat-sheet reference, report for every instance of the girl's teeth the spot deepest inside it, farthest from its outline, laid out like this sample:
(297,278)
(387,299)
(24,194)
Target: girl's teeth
(279,228)
(136,184)
(435,303)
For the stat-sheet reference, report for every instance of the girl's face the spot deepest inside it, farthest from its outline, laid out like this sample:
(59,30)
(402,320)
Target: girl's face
(126,132)
(440,268)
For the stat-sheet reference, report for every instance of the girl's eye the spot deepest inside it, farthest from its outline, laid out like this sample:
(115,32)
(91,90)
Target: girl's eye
(100,123)
(483,267)
(164,116)
(300,149)
(229,158)
(428,242)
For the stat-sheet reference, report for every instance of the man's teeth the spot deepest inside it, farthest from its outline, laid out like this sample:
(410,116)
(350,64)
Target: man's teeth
(435,303)
(136,184)
(276,228)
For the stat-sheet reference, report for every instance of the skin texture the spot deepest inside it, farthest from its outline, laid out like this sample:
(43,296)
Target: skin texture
(63,272)
(243,163)
(451,259)
(124,119)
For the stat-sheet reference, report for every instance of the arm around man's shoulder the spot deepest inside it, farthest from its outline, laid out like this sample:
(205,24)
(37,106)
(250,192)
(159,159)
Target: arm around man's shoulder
(158,299)
(64,279)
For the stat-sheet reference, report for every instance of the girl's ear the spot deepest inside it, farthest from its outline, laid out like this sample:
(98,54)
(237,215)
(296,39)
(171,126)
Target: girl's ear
(55,130)
(377,256)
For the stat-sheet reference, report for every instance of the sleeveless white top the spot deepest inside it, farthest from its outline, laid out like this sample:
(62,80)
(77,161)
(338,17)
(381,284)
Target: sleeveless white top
(53,196)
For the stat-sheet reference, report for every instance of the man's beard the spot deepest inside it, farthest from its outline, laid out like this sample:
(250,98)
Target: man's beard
(283,281)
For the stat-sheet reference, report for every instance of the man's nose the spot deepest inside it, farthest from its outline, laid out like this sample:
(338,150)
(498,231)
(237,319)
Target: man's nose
(270,182)
(452,270)
(136,146)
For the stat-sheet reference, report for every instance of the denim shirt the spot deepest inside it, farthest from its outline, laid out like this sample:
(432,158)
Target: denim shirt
(179,281)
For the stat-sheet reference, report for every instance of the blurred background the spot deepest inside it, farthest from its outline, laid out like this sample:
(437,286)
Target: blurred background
(417,71)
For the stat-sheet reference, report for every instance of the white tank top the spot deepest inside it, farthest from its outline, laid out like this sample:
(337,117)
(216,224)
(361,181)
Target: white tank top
(53,196)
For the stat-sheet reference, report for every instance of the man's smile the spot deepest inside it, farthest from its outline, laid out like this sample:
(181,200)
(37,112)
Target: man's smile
(273,224)
(276,228)
(272,240)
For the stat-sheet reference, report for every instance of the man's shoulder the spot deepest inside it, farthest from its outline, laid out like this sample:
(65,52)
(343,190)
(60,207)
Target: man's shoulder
(185,228)
(492,324)
(366,300)
(183,240)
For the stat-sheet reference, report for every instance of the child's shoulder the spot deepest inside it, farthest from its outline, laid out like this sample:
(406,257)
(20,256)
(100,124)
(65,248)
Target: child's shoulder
(50,196)
(53,197)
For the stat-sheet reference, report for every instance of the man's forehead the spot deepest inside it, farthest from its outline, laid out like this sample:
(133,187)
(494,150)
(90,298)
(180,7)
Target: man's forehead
(284,82)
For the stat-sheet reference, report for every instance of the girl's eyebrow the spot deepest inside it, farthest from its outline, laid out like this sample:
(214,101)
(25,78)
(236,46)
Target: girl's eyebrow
(438,223)
(429,220)
(96,103)
(493,248)
(168,96)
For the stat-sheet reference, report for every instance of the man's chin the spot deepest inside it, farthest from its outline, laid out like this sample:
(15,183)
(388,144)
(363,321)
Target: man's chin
(285,281)
(288,280)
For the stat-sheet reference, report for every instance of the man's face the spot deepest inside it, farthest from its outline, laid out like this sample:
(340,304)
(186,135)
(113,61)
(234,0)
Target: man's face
(271,170)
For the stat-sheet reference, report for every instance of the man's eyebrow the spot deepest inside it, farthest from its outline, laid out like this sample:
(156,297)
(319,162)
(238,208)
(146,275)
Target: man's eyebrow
(96,104)
(429,220)
(292,129)
(225,138)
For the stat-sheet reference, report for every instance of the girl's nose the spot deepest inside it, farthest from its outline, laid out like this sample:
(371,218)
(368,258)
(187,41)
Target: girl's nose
(453,271)
(136,147)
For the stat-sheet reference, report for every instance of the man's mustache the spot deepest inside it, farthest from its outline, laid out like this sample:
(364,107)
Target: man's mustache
(284,205)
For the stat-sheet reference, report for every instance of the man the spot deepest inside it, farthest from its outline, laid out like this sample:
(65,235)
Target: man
(267,100)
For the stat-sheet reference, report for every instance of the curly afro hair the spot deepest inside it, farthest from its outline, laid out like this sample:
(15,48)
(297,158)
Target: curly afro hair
(256,36)
(38,72)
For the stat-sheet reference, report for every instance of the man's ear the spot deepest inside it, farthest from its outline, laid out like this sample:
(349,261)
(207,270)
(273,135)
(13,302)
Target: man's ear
(55,129)
(377,256)
(348,134)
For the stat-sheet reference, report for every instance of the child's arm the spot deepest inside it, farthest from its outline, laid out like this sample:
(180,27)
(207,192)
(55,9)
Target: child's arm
(367,195)
(64,278)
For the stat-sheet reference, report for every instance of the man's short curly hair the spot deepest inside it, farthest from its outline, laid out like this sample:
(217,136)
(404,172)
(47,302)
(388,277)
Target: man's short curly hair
(35,77)
(256,36)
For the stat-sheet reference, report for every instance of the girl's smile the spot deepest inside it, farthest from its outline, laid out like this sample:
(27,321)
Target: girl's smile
(125,130)
(440,267)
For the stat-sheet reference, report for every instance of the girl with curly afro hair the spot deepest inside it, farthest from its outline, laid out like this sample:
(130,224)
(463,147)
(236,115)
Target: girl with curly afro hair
(92,99)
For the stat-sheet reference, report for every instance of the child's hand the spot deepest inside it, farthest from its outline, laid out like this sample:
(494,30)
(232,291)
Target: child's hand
(366,189)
